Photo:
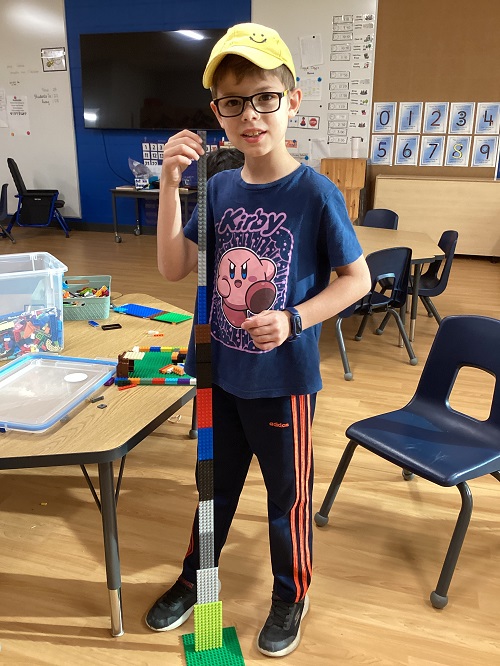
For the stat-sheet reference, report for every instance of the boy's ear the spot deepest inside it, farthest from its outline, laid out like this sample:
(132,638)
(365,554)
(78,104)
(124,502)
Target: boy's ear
(294,99)
(219,118)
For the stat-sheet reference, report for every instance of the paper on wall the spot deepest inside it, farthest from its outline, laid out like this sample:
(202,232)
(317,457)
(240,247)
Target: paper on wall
(311,50)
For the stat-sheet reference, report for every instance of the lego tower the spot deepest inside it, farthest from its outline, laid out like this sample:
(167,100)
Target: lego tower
(210,643)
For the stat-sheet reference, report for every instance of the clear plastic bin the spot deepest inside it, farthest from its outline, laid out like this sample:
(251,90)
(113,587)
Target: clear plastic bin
(31,316)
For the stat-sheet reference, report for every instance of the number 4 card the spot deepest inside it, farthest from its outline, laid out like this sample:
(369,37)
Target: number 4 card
(487,118)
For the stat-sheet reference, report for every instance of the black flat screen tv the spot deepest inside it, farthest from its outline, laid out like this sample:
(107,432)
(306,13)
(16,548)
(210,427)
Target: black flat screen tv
(147,80)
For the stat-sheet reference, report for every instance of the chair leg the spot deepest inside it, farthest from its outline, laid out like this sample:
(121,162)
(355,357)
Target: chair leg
(431,308)
(342,350)
(321,517)
(383,324)
(62,222)
(429,313)
(404,335)
(6,233)
(361,328)
(439,598)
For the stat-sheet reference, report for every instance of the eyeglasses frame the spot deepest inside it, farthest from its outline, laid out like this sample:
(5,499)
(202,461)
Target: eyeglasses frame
(250,99)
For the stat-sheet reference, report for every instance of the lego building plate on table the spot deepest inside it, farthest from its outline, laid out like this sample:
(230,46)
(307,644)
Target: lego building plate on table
(86,297)
(30,304)
(38,390)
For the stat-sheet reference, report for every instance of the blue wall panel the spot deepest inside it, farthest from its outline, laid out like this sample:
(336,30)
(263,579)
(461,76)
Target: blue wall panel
(103,154)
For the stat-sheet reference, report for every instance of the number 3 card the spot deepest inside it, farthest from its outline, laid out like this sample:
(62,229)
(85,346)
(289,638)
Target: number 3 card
(461,117)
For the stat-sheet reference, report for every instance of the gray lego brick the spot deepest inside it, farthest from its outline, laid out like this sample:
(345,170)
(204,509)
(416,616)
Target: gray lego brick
(207,583)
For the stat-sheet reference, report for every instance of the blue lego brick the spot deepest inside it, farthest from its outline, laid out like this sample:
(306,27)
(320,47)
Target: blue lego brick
(205,444)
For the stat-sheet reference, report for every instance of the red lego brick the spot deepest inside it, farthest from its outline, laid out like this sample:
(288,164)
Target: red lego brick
(204,407)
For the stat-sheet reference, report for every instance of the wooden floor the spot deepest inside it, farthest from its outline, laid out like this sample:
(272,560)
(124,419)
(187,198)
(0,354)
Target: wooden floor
(375,563)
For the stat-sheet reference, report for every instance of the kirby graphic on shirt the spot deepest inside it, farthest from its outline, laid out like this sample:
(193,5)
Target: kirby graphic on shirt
(245,284)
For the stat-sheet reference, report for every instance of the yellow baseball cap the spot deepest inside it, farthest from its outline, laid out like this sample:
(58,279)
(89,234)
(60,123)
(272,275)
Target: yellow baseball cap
(262,46)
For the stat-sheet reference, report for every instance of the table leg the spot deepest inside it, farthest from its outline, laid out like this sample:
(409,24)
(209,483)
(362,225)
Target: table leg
(414,300)
(111,553)
(118,238)
(137,230)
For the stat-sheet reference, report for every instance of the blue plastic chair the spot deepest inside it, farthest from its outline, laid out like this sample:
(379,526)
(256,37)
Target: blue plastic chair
(382,218)
(432,284)
(429,438)
(391,265)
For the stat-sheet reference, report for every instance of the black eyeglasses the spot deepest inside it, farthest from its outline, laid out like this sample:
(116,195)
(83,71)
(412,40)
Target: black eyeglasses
(264,102)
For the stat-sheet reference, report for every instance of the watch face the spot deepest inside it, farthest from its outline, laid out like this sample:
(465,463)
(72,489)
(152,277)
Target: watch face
(297,325)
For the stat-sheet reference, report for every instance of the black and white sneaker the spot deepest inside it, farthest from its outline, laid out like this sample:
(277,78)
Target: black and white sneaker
(173,608)
(281,633)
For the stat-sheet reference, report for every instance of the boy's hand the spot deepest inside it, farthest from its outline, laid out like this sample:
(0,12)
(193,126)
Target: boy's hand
(268,329)
(180,150)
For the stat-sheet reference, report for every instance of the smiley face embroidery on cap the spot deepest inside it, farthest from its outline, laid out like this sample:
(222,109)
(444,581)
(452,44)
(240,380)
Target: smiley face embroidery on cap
(258,41)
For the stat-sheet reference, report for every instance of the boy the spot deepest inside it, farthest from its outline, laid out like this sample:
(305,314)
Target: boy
(275,229)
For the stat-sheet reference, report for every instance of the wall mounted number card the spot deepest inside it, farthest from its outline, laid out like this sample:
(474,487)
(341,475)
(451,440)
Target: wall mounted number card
(432,151)
(384,117)
(487,118)
(484,152)
(457,151)
(461,117)
(382,149)
(410,117)
(435,117)
(406,151)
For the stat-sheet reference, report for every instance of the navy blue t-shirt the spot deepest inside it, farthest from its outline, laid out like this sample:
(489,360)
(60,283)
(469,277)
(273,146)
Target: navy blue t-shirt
(268,247)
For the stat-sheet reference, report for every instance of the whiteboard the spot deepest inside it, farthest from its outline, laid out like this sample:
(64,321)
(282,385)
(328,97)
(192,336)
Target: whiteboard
(333,47)
(36,111)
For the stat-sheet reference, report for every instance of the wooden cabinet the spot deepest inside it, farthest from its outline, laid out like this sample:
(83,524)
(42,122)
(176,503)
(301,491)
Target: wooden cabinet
(433,205)
(349,176)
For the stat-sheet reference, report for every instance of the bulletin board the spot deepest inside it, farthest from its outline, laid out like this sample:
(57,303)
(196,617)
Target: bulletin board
(36,112)
(443,57)
(333,47)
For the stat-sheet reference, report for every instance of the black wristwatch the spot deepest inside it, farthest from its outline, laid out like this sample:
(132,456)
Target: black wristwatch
(295,324)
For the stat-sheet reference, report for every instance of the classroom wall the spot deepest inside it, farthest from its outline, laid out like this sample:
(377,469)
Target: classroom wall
(36,109)
(436,51)
(103,154)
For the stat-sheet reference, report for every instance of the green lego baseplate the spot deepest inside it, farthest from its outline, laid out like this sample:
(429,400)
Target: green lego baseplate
(150,364)
(227,655)
(172,317)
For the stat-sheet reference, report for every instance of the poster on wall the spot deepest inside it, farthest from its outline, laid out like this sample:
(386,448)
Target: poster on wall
(410,117)
(18,115)
(487,118)
(384,117)
(484,151)
(382,149)
(435,117)
(432,151)
(406,151)
(457,151)
(54,60)
(461,117)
